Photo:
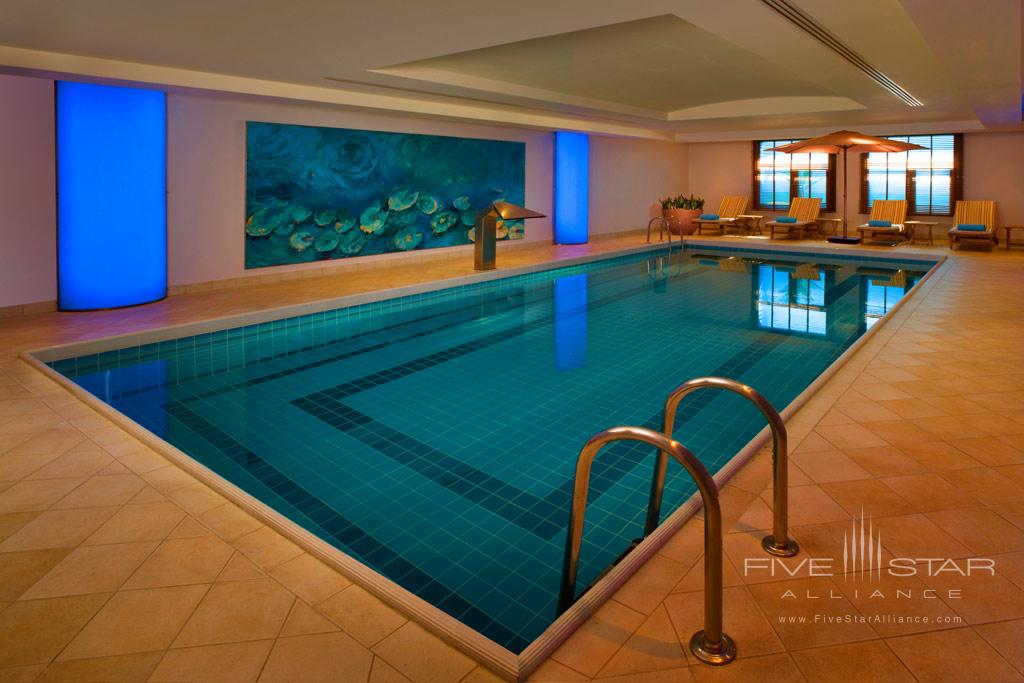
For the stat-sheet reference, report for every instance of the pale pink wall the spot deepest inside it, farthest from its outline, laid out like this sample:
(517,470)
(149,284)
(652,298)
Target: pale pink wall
(206,175)
(28,236)
(992,170)
(718,169)
(627,177)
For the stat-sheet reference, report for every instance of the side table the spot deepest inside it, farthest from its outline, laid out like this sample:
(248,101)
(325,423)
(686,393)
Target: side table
(926,236)
(750,222)
(1009,231)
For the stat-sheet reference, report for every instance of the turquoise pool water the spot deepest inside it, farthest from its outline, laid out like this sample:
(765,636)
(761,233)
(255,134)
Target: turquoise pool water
(434,437)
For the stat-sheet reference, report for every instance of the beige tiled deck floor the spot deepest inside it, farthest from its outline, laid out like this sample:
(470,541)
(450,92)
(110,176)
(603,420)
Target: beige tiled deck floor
(117,566)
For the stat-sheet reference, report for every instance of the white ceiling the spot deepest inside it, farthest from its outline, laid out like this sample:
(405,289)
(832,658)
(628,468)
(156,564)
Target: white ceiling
(673,69)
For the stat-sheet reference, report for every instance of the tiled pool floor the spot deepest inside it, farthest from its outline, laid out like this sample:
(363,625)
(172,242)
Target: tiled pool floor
(100,535)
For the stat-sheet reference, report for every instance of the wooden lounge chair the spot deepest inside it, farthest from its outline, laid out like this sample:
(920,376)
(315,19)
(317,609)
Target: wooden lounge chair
(891,211)
(805,210)
(971,213)
(730,207)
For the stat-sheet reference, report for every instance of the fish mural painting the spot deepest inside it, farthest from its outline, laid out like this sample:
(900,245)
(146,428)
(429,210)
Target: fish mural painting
(315,193)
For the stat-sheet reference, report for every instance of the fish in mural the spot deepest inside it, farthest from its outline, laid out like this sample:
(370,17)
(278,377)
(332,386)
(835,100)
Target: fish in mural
(325,193)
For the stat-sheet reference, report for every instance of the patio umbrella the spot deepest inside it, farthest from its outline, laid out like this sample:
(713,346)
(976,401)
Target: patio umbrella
(845,140)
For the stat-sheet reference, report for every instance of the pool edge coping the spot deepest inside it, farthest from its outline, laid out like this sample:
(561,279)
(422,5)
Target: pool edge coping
(460,636)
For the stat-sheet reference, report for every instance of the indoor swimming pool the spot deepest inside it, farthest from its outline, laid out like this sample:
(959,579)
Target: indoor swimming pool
(433,437)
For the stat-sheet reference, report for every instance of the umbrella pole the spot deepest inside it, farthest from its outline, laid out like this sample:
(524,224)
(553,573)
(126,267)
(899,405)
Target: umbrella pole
(845,239)
(845,207)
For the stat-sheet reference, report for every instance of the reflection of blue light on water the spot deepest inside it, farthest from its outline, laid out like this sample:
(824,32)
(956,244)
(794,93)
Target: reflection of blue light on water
(570,321)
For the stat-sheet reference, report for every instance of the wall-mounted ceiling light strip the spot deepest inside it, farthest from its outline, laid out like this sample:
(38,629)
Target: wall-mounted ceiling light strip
(804,22)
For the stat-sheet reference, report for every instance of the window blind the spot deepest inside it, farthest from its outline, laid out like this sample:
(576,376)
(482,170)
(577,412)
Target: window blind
(929,179)
(778,177)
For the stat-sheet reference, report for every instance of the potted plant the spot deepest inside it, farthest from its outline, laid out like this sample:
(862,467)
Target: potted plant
(680,212)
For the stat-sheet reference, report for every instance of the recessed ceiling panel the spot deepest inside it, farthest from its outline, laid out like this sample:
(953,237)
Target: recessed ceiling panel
(661,63)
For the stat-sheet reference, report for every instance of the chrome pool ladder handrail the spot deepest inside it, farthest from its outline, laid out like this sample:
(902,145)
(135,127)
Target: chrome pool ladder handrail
(778,542)
(663,227)
(710,645)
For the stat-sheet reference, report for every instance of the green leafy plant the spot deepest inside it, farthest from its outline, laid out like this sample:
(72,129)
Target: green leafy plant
(691,202)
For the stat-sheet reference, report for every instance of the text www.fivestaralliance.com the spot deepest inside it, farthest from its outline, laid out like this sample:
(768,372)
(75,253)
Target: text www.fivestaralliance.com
(871,619)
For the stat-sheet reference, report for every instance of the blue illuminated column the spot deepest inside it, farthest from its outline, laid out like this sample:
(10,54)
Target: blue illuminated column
(572,181)
(111,196)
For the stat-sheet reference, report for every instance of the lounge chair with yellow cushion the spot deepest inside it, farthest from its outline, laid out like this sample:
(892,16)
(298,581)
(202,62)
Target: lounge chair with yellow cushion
(886,220)
(730,207)
(974,220)
(803,215)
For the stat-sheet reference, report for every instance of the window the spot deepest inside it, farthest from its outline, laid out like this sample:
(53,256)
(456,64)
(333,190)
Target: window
(790,300)
(778,176)
(929,179)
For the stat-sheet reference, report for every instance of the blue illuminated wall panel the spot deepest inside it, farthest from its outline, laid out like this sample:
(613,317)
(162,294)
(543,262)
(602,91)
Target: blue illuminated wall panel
(572,181)
(111,196)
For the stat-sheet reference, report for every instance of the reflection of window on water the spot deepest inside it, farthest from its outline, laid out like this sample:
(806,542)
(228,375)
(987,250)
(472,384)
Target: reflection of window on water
(788,300)
(881,296)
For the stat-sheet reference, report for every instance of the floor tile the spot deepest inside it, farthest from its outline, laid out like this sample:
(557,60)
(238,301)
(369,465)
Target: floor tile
(36,494)
(57,529)
(236,611)
(850,436)
(103,490)
(267,548)
(182,561)
(868,662)
(309,578)
(326,657)
(932,656)
(19,570)
(362,616)
(938,456)
(766,669)
(981,530)
(135,621)
(122,668)
(35,631)
(422,657)
(77,462)
(382,672)
(149,522)
(653,647)
(229,663)
(304,620)
(929,492)
(869,496)
(1005,638)
(91,569)
(829,466)
(645,590)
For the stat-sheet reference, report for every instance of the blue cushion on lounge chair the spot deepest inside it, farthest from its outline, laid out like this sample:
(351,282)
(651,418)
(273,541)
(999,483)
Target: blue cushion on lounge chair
(880,224)
(973,227)
(785,219)
(709,217)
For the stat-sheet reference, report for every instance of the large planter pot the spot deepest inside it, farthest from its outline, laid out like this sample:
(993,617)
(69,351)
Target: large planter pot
(680,221)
